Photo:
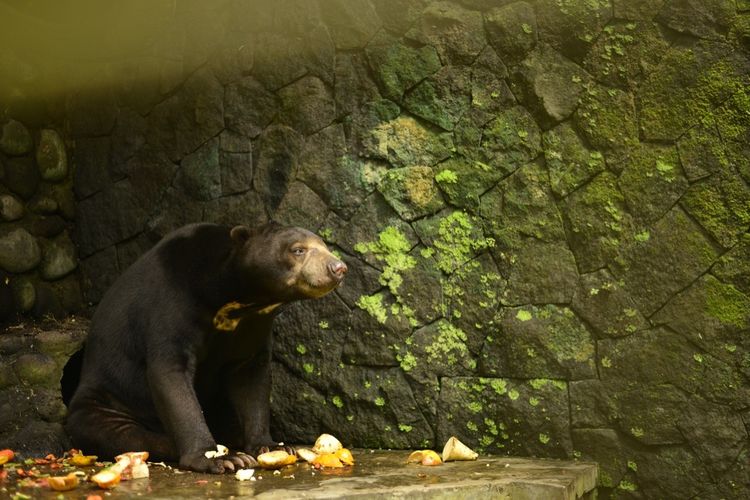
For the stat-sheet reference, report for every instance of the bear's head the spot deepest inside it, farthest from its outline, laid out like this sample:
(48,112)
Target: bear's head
(282,264)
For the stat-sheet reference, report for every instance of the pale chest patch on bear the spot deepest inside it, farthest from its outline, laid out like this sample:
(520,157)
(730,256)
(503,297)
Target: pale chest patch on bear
(230,314)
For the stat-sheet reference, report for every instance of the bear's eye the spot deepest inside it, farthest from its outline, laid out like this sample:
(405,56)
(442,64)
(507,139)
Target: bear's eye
(298,251)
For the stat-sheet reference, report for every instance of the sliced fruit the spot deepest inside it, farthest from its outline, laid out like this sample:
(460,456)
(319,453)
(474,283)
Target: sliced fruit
(6,456)
(63,483)
(107,478)
(345,456)
(81,460)
(456,450)
(275,459)
(424,457)
(327,460)
(327,444)
(306,454)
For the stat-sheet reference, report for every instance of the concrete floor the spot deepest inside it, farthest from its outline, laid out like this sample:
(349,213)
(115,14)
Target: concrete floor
(376,474)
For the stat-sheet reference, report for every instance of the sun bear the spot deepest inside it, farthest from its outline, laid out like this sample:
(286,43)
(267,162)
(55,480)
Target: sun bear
(179,350)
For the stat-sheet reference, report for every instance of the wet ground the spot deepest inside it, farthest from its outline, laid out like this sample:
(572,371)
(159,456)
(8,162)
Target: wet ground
(376,474)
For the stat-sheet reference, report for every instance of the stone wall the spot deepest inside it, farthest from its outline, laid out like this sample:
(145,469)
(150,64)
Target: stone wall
(32,361)
(544,207)
(38,259)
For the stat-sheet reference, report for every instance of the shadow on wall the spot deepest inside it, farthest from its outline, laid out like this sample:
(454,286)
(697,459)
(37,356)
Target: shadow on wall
(543,204)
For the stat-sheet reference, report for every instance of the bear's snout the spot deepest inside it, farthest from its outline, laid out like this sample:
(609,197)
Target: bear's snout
(337,269)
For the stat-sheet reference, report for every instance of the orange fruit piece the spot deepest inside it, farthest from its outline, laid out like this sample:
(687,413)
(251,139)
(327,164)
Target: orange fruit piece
(327,460)
(275,459)
(424,457)
(81,460)
(106,478)
(63,483)
(345,456)
(6,456)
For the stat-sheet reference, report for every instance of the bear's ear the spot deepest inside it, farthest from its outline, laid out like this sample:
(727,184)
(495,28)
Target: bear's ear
(240,234)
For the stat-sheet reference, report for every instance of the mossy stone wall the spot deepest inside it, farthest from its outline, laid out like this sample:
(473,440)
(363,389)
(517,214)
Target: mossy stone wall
(544,206)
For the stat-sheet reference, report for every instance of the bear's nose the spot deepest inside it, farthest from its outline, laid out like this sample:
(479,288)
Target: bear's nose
(338,269)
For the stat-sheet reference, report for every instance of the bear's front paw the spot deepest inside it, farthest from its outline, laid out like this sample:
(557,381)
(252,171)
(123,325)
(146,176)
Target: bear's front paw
(197,461)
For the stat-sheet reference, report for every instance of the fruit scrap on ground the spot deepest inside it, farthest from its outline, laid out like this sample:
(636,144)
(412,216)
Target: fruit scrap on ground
(63,483)
(326,444)
(107,478)
(327,460)
(275,459)
(6,456)
(456,450)
(424,457)
(81,460)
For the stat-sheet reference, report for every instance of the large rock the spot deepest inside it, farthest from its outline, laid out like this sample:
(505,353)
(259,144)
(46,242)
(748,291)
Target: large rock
(653,269)
(607,119)
(549,85)
(597,222)
(307,105)
(652,181)
(302,207)
(489,90)
(59,258)
(721,205)
(245,208)
(93,169)
(51,156)
(123,209)
(11,208)
(15,138)
(411,191)
(702,151)
(200,172)
(707,19)
(249,107)
(373,406)
(327,167)
(604,447)
(464,181)
(507,140)
(734,266)
(539,342)
(625,53)
(715,433)
(570,163)
(367,223)
(404,142)
(399,67)
(19,251)
(442,98)
(377,341)
(399,15)
(539,273)
(603,304)
(637,9)
(711,314)
(506,416)
(512,31)
(354,85)
(22,176)
(456,33)
(570,26)
(189,118)
(685,86)
(352,22)
(658,364)
(521,207)
(276,163)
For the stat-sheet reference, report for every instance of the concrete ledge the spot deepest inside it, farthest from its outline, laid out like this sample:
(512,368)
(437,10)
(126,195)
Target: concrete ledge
(384,474)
